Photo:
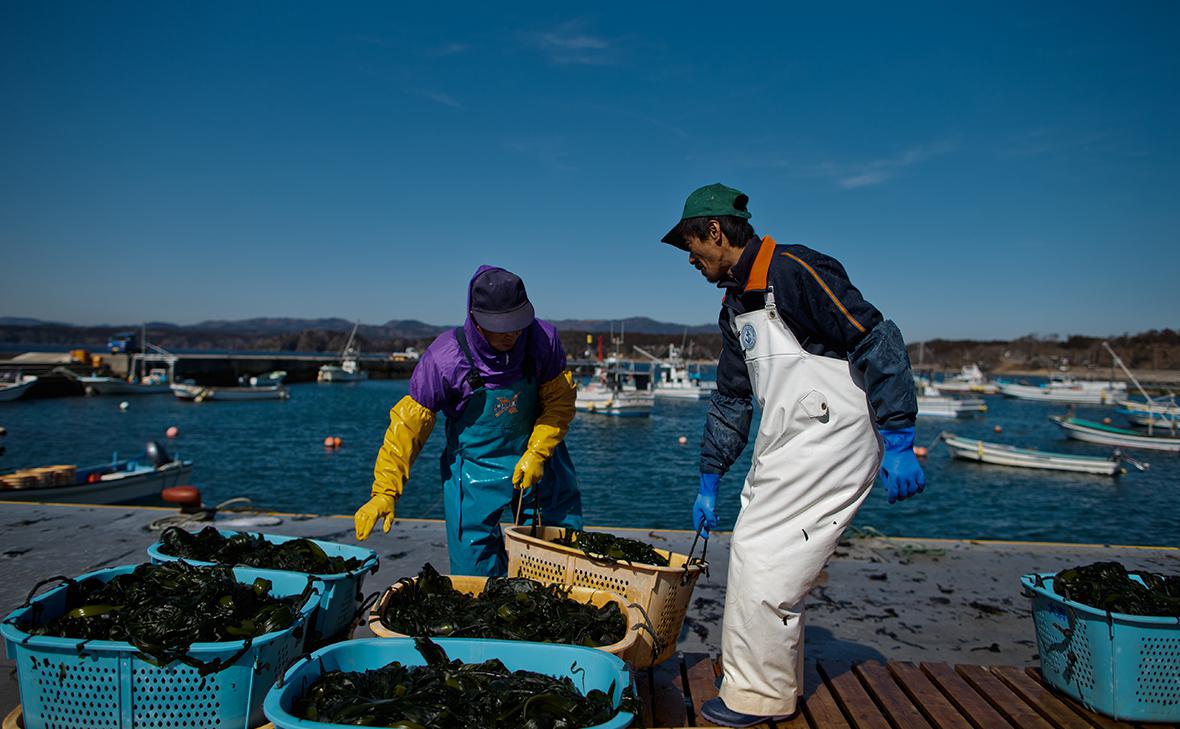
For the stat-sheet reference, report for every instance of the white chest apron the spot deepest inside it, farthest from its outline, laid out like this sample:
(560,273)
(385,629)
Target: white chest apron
(815,459)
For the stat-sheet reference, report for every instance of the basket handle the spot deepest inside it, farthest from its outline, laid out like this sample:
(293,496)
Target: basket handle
(283,671)
(60,578)
(536,509)
(365,605)
(696,561)
(657,646)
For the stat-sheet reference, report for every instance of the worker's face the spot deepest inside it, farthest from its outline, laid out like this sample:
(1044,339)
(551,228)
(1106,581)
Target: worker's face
(500,341)
(708,254)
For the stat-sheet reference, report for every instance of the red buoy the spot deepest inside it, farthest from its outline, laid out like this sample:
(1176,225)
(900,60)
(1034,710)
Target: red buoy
(182,495)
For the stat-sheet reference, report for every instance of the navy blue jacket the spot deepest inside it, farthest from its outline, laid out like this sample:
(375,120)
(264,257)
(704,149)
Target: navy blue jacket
(829,317)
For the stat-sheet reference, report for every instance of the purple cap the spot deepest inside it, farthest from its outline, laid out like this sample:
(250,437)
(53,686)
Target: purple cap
(499,302)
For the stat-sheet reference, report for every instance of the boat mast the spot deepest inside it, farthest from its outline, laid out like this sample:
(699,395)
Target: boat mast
(1118,360)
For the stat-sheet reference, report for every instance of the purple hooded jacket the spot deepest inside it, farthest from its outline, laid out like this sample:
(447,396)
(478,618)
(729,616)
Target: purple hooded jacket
(439,381)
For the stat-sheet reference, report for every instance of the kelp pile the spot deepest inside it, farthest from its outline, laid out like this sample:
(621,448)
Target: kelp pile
(251,550)
(603,546)
(163,609)
(510,608)
(446,694)
(1108,586)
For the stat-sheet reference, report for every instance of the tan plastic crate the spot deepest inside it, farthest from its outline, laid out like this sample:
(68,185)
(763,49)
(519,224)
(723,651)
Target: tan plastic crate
(661,593)
(475,586)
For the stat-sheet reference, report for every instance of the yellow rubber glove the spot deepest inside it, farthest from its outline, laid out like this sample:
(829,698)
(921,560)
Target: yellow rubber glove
(410,425)
(557,398)
(379,507)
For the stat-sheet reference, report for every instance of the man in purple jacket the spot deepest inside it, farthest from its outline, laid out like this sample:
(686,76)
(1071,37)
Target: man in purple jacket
(501,381)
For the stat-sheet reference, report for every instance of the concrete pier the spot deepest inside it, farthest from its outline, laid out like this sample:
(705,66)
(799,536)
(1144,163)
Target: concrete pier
(883,599)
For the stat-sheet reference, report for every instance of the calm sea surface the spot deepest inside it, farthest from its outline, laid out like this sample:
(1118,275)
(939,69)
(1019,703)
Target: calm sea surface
(633,472)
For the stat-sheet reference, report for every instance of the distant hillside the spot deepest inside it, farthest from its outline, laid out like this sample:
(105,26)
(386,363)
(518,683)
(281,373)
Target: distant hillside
(635,324)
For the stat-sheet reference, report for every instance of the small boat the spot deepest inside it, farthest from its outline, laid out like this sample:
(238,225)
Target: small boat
(616,392)
(349,369)
(154,382)
(1077,393)
(673,380)
(1091,432)
(1159,407)
(128,481)
(1005,455)
(970,379)
(932,403)
(142,378)
(202,393)
(17,387)
(264,380)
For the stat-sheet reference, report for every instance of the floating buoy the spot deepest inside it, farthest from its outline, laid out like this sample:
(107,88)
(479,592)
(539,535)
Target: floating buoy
(124,405)
(182,495)
(1106,421)
(172,432)
(337,442)
(682,440)
(920,451)
(3,430)
(329,442)
(998,429)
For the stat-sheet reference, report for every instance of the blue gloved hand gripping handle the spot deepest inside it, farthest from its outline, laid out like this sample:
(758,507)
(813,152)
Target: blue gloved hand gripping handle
(900,471)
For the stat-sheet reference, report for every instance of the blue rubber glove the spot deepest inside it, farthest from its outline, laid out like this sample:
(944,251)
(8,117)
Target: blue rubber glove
(704,514)
(900,472)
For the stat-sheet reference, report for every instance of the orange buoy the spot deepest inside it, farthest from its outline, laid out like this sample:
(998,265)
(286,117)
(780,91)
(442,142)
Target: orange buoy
(920,451)
(172,432)
(1106,421)
(998,429)
(182,495)
(682,440)
(337,442)
(329,442)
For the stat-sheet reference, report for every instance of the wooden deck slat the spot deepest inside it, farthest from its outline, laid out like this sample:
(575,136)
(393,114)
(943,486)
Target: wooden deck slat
(702,682)
(974,707)
(884,689)
(858,706)
(667,702)
(1049,705)
(819,705)
(1103,722)
(928,697)
(1001,697)
(643,691)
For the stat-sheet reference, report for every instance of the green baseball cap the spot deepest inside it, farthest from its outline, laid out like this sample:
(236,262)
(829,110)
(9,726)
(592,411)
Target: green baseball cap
(709,201)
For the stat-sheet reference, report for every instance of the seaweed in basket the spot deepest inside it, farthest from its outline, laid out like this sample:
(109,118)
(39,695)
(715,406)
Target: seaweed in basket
(604,546)
(251,550)
(446,694)
(1108,586)
(163,609)
(512,608)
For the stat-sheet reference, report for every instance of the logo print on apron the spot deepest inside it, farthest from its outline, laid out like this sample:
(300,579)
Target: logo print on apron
(749,337)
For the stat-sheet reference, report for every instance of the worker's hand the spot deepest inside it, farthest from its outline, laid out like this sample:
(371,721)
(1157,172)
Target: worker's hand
(378,507)
(704,515)
(529,470)
(900,472)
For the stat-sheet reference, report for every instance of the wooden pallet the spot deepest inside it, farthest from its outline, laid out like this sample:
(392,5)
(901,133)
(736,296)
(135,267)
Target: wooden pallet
(876,696)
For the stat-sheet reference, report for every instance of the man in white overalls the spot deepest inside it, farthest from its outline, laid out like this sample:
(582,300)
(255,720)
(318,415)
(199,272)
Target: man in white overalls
(833,379)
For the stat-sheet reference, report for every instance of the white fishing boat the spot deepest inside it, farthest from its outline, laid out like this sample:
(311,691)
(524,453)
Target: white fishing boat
(932,403)
(616,392)
(1167,424)
(150,371)
(1160,406)
(205,393)
(1005,455)
(17,387)
(673,379)
(349,369)
(969,380)
(1076,394)
(127,481)
(1091,432)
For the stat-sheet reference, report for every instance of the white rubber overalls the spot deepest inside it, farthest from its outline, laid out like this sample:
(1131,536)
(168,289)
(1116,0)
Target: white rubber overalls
(815,459)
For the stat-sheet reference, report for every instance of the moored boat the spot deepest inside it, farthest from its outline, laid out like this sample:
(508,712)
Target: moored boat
(1091,432)
(12,390)
(203,393)
(970,379)
(126,481)
(349,369)
(1006,455)
(932,403)
(673,380)
(1076,394)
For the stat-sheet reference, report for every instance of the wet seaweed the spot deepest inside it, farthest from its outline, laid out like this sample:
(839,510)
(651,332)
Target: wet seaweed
(1109,586)
(511,608)
(163,609)
(251,550)
(611,548)
(446,694)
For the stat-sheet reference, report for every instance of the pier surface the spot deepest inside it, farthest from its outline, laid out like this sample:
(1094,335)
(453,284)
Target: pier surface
(880,599)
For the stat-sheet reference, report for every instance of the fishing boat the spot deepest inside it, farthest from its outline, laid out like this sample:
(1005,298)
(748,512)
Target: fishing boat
(126,481)
(1005,455)
(1162,406)
(150,371)
(932,403)
(17,387)
(349,369)
(674,380)
(1076,393)
(205,393)
(1154,421)
(616,392)
(1091,432)
(970,379)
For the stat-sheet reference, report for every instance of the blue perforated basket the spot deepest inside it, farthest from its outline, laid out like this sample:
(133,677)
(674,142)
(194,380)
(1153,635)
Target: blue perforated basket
(66,683)
(589,669)
(1124,666)
(341,603)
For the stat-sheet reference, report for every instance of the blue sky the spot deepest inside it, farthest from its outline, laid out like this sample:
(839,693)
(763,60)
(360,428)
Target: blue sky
(985,170)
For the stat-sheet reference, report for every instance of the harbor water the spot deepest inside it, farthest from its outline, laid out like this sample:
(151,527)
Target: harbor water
(634,472)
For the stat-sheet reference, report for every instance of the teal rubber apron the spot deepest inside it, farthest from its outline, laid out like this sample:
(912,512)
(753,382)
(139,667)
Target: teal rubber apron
(484,444)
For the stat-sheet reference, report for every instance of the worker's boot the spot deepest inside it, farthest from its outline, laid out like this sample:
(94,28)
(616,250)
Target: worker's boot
(715,711)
